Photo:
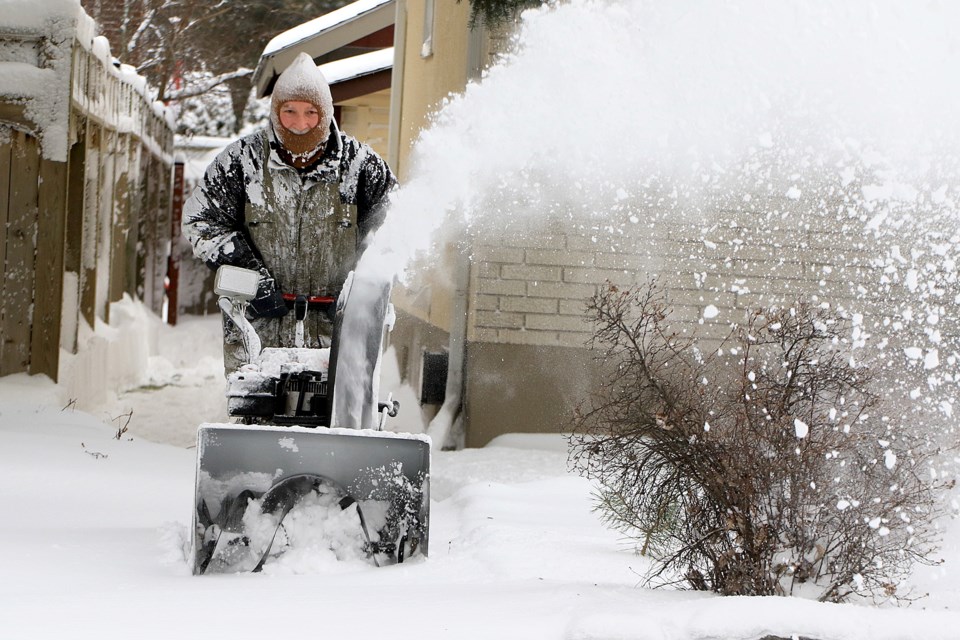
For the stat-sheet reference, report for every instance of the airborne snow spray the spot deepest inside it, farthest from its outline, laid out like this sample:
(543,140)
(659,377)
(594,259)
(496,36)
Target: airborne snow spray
(663,111)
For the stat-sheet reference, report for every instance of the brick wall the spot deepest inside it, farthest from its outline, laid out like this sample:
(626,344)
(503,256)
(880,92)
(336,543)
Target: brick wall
(531,289)
(530,286)
(116,19)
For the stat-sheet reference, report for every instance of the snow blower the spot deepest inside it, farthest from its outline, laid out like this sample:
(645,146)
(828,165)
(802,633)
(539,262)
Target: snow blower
(307,462)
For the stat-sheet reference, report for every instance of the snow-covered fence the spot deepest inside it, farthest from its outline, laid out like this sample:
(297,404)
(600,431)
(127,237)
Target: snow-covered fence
(85,183)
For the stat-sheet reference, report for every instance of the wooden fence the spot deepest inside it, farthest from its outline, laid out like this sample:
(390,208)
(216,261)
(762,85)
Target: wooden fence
(85,191)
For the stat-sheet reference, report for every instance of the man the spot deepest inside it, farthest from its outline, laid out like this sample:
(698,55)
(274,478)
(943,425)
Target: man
(295,201)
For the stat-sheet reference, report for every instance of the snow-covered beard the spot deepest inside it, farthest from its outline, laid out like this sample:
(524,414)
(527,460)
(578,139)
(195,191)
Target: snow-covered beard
(302,81)
(302,148)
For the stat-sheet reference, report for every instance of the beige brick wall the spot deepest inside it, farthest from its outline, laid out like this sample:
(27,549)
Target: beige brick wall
(532,287)
(532,294)
(527,361)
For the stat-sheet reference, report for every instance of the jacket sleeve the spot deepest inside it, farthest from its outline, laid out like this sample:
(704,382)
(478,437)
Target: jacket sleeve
(213,219)
(373,182)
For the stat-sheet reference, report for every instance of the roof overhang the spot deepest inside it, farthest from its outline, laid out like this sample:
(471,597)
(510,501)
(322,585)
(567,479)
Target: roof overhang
(320,36)
(359,75)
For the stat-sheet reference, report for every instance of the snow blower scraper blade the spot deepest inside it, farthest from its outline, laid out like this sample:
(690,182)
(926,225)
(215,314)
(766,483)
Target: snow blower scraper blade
(261,489)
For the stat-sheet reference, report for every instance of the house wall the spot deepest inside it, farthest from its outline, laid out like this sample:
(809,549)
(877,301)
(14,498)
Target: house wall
(428,79)
(531,288)
(514,388)
(528,359)
(367,118)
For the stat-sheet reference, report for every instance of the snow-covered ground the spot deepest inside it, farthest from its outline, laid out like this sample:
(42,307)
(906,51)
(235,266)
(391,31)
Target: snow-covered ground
(94,530)
(95,526)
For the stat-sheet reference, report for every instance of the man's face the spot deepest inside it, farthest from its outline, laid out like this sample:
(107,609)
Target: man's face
(299,117)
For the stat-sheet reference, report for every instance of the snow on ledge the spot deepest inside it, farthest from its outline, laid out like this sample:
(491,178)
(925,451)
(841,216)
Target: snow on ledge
(26,16)
(22,80)
(45,91)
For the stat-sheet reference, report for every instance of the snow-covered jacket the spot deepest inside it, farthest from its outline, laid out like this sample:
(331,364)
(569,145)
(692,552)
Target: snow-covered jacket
(304,227)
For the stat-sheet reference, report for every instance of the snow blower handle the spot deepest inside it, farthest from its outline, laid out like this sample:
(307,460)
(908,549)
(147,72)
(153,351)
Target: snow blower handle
(237,287)
(300,308)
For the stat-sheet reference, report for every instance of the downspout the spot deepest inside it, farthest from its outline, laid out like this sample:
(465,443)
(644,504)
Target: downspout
(396,86)
(447,428)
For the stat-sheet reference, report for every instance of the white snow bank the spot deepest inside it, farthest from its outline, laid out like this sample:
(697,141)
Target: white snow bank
(536,441)
(169,379)
(97,530)
(67,470)
(112,358)
(760,617)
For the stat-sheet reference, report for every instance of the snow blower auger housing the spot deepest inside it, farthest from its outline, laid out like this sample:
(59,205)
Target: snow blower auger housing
(309,464)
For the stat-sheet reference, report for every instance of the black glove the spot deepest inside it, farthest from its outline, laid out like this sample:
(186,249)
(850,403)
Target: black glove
(269,302)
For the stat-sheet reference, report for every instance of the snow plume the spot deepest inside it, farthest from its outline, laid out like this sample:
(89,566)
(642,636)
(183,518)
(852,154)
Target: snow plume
(685,94)
(758,126)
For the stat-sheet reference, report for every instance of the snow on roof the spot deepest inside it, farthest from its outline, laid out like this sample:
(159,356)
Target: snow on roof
(321,36)
(326,22)
(356,66)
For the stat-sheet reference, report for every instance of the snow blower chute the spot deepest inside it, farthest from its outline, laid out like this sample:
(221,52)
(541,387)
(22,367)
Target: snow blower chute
(308,463)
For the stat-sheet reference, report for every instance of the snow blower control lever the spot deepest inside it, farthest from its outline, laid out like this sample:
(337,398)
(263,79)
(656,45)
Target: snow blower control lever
(300,303)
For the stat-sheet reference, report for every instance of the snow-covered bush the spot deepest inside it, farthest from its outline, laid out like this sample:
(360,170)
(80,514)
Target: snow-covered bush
(212,113)
(770,466)
(209,114)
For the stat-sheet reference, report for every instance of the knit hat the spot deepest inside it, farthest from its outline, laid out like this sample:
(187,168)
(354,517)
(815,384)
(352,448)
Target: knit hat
(302,81)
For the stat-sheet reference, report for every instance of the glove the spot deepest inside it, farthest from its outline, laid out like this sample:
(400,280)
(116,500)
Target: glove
(269,302)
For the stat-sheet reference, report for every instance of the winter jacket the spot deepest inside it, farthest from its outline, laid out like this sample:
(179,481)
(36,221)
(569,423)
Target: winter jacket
(304,227)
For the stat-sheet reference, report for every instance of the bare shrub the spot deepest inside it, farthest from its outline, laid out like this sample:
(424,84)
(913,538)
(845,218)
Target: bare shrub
(122,428)
(766,467)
